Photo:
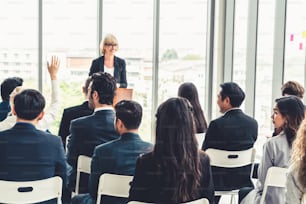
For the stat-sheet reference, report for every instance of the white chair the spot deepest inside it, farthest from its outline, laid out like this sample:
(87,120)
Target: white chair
(20,192)
(82,166)
(199,201)
(277,177)
(231,159)
(114,185)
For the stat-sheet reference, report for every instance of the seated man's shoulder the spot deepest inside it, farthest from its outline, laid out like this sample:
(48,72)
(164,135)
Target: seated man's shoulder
(83,119)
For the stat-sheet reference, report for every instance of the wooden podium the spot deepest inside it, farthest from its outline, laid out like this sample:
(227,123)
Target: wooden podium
(122,94)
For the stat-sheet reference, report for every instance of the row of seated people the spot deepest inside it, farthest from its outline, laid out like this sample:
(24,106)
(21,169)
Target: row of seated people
(233,131)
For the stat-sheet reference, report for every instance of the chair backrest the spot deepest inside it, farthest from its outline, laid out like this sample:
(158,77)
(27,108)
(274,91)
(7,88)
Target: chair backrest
(277,177)
(19,192)
(200,138)
(199,201)
(83,166)
(232,159)
(114,185)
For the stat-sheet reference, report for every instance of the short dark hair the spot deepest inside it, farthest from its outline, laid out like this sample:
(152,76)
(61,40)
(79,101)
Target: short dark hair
(8,85)
(130,113)
(233,92)
(29,104)
(293,88)
(105,85)
(86,85)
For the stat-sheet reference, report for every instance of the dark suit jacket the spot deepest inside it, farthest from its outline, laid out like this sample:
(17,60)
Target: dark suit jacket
(116,157)
(28,154)
(86,133)
(119,69)
(146,185)
(5,108)
(233,131)
(68,115)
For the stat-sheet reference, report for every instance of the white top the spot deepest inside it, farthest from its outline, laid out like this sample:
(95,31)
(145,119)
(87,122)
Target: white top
(50,114)
(109,70)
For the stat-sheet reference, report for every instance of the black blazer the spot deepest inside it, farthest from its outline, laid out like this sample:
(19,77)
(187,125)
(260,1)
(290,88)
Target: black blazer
(86,133)
(68,115)
(146,184)
(28,154)
(233,131)
(119,69)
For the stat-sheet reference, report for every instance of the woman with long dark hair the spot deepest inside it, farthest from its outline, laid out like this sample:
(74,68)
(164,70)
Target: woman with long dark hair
(189,90)
(176,171)
(287,116)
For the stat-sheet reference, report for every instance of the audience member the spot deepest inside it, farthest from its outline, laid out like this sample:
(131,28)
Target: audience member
(291,88)
(51,113)
(188,90)
(287,115)
(26,153)
(74,112)
(110,63)
(118,156)
(296,181)
(176,171)
(7,86)
(90,131)
(234,131)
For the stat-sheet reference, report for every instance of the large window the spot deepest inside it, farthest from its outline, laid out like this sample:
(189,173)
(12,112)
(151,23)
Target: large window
(295,42)
(19,40)
(240,42)
(132,23)
(69,31)
(264,70)
(182,47)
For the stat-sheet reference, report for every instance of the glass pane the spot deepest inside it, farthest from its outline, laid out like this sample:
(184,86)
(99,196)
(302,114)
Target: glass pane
(240,46)
(19,40)
(133,28)
(263,99)
(71,36)
(182,48)
(240,40)
(295,41)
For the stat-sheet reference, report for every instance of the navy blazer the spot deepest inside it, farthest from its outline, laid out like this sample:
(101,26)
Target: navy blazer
(116,157)
(119,69)
(233,131)
(146,184)
(68,115)
(28,154)
(86,133)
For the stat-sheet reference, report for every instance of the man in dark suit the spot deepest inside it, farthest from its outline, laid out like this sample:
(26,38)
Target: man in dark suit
(118,156)
(90,131)
(26,153)
(7,87)
(232,131)
(74,112)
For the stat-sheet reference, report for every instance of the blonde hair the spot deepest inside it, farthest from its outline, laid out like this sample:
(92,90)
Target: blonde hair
(109,38)
(299,153)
